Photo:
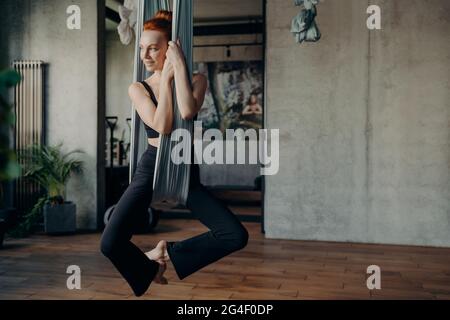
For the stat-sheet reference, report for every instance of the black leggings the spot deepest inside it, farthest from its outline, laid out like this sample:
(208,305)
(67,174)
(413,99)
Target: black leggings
(226,235)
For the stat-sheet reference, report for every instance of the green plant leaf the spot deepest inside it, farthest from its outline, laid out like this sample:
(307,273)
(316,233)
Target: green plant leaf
(9,78)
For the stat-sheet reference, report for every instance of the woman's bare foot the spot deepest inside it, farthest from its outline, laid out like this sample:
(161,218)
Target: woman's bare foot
(160,255)
(159,278)
(159,252)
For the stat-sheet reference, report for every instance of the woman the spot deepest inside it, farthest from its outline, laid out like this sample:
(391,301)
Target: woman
(253,106)
(152,99)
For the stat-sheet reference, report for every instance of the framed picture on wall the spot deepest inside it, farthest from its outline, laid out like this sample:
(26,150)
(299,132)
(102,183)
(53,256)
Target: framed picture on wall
(234,98)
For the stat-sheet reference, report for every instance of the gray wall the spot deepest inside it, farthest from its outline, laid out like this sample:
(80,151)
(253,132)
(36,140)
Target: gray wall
(37,30)
(364,124)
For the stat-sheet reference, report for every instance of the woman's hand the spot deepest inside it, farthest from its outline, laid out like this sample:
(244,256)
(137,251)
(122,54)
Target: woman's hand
(168,71)
(175,54)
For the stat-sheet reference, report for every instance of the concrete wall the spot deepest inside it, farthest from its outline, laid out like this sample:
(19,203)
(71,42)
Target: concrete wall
(37,30)
(364,124)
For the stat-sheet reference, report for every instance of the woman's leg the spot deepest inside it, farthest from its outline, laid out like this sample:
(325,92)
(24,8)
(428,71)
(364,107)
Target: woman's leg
(137,269)
(226,235)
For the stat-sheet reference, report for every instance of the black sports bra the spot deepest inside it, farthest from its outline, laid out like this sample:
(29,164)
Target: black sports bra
(151,133)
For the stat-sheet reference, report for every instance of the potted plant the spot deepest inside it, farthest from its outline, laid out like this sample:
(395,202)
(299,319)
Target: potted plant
(47,166)
(9,168)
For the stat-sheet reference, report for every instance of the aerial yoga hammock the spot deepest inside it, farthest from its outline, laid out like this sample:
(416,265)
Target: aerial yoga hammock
(303,25)
(171,181)
(171,185)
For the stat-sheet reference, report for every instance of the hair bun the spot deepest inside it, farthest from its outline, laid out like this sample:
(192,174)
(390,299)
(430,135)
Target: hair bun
(164,14)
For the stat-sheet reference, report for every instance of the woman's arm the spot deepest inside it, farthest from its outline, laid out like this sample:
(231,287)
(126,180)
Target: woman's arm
(161,118)
(246,110)
(190,100)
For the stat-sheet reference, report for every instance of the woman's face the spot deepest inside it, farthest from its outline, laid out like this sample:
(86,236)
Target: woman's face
(253,99)
(153,46)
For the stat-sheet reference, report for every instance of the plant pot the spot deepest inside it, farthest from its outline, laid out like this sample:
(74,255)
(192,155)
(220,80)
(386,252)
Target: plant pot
(60,218)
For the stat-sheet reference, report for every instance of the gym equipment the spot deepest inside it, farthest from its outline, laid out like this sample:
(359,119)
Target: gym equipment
(111,122)
(148,220)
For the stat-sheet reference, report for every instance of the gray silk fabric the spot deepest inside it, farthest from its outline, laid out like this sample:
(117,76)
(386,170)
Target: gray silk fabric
(171,181)
(303,25)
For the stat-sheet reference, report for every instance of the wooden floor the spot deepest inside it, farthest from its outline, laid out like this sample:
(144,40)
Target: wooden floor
(35,268)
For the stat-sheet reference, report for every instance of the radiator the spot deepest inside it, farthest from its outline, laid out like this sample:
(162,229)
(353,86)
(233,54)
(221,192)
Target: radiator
(28,129)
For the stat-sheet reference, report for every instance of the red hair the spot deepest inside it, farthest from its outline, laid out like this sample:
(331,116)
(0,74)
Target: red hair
(161,21)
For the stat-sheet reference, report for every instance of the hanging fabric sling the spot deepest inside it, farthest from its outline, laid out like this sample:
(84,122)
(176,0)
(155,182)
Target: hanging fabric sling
(171,180)
(303,25)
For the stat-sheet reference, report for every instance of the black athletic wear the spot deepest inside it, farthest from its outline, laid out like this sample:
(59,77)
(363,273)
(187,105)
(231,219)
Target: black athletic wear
(226,233)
